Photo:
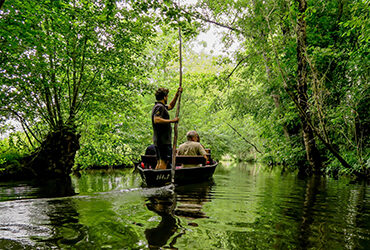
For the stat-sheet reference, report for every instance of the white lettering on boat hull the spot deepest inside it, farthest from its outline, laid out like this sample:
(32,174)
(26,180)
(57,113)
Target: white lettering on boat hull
(163,177)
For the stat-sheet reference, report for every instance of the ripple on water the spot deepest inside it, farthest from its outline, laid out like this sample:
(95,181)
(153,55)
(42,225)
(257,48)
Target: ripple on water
(244,207)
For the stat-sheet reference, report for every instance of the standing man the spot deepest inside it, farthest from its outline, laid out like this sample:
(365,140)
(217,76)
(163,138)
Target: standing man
(162,126)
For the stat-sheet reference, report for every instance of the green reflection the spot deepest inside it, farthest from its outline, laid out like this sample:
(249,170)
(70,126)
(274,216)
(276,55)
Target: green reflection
(93,181)
(245,207)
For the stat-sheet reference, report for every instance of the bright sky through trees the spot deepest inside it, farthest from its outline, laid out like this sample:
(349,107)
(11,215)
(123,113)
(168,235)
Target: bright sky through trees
(210,42)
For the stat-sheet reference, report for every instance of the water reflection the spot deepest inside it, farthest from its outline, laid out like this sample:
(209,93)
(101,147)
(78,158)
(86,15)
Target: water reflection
(310,196)
(318,218)
(92,181)
(36,189)
(248,207)
(191,199)
(187,201)
(63,219)
(39,223)
(164,207)
(42,219)
(25,222)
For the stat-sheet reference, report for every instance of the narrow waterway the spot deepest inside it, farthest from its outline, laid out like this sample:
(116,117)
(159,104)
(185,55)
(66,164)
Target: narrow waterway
(243,207)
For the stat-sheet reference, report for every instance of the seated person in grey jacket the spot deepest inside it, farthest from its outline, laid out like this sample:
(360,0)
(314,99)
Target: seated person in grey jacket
(192,147)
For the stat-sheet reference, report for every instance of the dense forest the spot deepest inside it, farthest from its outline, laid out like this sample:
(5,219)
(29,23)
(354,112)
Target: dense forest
(78,80)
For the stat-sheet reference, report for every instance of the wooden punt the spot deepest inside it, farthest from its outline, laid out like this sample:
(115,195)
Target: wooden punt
(201,171)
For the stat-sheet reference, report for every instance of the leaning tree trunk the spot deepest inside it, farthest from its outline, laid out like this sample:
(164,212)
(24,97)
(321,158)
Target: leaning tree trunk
(312,152)
(55,156)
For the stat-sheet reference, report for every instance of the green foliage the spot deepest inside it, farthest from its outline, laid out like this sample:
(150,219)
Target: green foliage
(261,88)
(113,140)
(65,64)
(59,55)
(118,128)
(12,149)
(96,66)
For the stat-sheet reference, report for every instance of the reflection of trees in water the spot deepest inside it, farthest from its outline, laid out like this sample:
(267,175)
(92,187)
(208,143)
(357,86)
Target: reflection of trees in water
(355,216)
(62,215)
(42,223)
(187,201)
(312,190)
(355,208)
(349,206)
(89,181)
(64,222)
(40,188)
(56,187)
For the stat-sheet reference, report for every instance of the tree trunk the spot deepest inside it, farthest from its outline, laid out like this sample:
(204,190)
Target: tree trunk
(55,156)
(277,106)
(275,96)
(312,152)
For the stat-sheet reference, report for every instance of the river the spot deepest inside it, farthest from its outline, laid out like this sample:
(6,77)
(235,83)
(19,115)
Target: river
(243,207)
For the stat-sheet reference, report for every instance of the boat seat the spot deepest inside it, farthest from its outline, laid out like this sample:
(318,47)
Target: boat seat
(150,161)
(190,159)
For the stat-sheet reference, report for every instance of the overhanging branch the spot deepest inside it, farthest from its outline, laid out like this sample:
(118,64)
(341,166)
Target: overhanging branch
(237,65)
(244,138)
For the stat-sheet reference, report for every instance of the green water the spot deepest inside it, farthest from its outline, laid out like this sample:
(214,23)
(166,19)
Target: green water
(243,207)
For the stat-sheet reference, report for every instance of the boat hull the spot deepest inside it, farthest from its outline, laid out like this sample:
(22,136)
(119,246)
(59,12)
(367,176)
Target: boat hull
(157,178)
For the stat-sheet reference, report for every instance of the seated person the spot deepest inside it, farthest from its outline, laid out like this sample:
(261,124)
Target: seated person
(209,159)
(192,147)
(150,150)
(147,162)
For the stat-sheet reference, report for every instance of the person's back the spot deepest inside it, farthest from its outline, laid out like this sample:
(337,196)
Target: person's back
(191,147)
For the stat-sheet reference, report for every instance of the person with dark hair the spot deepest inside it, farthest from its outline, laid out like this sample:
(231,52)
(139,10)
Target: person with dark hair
(161,123)
(150,150)
(198,140)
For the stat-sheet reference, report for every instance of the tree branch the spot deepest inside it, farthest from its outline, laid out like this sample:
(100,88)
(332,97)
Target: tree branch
(204,19)
(244,138)
(23,121)
(237,65)
(79,104)
(78,84)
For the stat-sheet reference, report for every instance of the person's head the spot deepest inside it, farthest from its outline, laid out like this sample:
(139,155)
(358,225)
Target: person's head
(161,94)
(192,136)
(198,138)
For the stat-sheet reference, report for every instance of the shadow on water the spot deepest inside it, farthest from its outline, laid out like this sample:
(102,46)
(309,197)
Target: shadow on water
(187,201)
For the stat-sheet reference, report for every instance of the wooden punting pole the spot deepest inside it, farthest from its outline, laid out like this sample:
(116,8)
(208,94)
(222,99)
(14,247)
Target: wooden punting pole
(177,115)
